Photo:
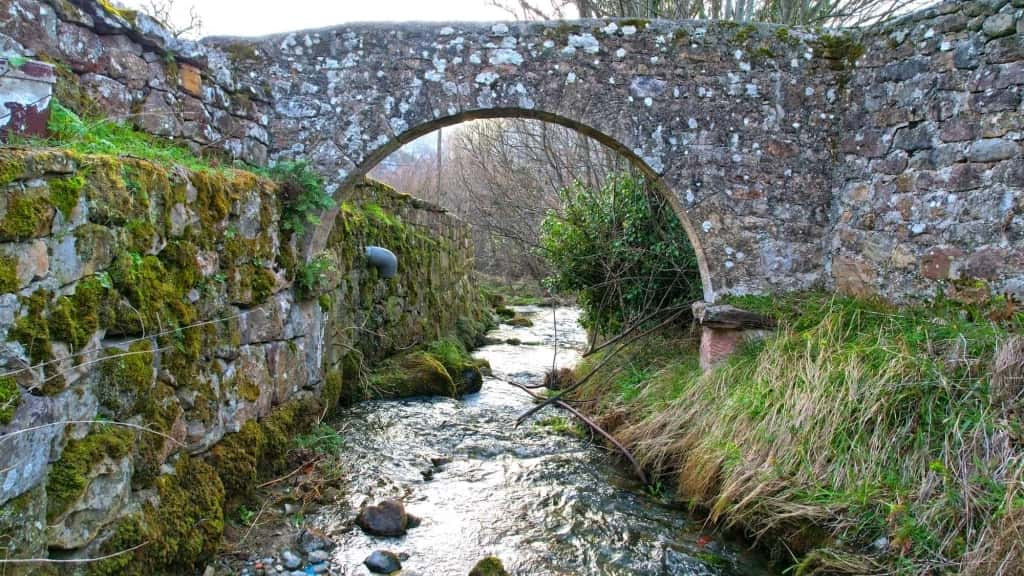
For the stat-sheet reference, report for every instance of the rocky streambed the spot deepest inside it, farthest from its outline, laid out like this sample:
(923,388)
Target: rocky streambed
(542,499)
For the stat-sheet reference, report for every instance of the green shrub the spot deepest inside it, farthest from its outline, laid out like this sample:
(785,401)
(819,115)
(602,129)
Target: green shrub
(622,250)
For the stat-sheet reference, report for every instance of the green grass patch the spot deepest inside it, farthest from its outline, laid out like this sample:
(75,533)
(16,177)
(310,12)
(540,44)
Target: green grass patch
(69,131)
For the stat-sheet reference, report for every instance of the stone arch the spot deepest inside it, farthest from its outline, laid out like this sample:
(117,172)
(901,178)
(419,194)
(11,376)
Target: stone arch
(318,239)
(736,123)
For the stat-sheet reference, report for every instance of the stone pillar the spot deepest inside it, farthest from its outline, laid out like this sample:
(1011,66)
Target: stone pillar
(26,87)
(724,328)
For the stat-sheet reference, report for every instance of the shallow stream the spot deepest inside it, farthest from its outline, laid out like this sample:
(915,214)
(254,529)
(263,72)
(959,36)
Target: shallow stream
(545,503)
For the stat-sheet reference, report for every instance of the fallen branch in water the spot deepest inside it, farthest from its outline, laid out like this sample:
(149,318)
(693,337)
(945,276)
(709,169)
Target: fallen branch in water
(591,424)
(557,398)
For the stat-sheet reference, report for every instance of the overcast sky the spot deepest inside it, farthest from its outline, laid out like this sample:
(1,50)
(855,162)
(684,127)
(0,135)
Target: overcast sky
(258,17)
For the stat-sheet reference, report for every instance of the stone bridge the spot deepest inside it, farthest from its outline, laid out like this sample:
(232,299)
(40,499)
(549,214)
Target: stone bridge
(879,161)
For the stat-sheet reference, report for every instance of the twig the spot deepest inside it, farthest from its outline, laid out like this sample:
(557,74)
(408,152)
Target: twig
(71,560)
(292,473)
(558,397)
(14,433)
(253,523)
(593,426)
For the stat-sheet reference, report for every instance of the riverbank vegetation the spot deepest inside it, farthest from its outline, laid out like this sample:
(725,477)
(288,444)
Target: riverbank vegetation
(621,249)
(860,438)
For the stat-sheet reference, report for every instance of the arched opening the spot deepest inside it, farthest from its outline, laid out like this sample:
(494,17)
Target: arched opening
(378,155)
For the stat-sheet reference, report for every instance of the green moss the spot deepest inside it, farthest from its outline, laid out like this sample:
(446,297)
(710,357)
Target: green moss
(186,529)
(156,302)
(8,274)
(12,166)
(180,535)
(334,382)
(290,419)
(841,51)
(247,389)
(28,215)
(32,329)
(129,533)
(490,566)
(69,476)
(782,34)
(138,235)
(414,374)
(745,32)
(638,23)
(213,198)
(126,379)
(111,202)
(241,51)
(10,398)
(263,283)
(236,458)
(64,193)
(520,321)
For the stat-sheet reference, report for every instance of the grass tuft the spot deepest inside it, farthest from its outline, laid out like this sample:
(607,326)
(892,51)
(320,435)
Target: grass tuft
(867,439)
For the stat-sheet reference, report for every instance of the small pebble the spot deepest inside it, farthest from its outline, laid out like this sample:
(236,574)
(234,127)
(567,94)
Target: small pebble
(290,560)
(318,556)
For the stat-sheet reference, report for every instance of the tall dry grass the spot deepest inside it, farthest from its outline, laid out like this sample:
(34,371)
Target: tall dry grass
(858,440)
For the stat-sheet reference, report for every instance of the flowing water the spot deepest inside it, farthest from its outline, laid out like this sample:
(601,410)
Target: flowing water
(545,503)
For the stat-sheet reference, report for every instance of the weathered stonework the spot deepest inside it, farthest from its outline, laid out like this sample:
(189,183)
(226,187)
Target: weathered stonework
(930,187)
(794,159)
(169,299)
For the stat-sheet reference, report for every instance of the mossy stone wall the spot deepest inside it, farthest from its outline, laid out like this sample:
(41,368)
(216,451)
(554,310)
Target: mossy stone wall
(167,299)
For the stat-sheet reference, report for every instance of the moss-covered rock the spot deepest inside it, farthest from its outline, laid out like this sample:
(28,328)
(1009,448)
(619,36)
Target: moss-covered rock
(181,534)
(69,476)
(490,566)
(415,374)
(23,530)
(64,193)
(236,458)
(519,322)
(26,214)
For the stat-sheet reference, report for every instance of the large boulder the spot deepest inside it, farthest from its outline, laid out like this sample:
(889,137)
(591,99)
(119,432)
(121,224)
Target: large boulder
(414,374)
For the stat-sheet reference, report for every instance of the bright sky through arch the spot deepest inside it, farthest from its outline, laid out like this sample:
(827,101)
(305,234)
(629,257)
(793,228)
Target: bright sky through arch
(260,17)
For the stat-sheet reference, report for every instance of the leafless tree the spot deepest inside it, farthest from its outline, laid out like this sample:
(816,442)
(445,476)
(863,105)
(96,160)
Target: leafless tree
(503,177)
(174,18)
(794,12)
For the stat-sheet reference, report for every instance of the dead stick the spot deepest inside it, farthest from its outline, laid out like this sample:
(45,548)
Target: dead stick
(582,381)
(593,426)
(291,474)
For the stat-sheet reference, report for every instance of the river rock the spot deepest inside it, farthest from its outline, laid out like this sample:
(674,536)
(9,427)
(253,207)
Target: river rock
(290,560)
(312,540)
(490,566)
(383,562)
(388,518)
